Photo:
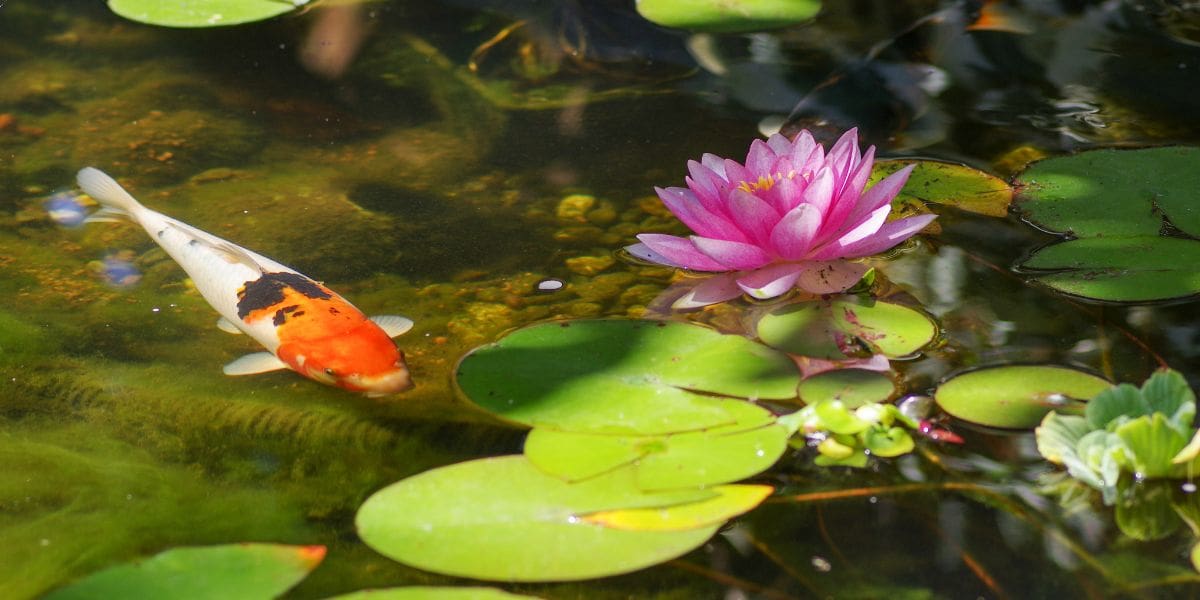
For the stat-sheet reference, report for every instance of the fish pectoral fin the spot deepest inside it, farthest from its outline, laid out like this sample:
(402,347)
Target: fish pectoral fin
(251,364)
(108,214)
(227,326)
(393,325)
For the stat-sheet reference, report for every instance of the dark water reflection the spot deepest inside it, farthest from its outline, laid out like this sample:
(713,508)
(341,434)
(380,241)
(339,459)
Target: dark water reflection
(415,186)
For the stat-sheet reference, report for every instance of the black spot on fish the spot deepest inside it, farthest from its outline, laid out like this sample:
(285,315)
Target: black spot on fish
(280,318)
(268,290)
(299,313)
(334,311)
(161,232)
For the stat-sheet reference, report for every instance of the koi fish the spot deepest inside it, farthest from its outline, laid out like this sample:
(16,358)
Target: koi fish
(304,326)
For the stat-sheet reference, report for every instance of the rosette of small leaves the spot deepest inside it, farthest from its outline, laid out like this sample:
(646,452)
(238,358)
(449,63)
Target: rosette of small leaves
(1146,433)
(849,437)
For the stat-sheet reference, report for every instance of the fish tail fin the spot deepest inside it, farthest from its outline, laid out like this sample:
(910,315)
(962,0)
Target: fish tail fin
(104,189)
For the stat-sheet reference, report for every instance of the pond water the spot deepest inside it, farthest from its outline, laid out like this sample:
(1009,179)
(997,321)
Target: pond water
(440,160)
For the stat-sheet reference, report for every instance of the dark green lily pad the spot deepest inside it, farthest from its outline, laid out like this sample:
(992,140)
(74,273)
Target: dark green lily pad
(202,13)
(854,387)
(949,184)
(626,376)
(1016,396)
(691,459)
(728,16)
(1113,192)
(203,573)
(1120,269)
(425,592)
(502,519)
(846,326)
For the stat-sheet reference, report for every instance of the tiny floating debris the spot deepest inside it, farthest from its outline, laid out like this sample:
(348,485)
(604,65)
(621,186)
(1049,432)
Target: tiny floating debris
(550,285)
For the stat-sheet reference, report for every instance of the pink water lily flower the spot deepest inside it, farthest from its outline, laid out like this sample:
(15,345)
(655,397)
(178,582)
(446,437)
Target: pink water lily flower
(790,217)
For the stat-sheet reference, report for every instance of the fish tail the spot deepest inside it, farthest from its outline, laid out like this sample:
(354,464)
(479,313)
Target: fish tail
(104,189)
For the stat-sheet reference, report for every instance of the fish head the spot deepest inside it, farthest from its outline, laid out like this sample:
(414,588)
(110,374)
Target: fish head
(363,359)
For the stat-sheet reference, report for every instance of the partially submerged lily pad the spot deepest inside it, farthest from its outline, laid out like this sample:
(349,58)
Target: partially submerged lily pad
(626,376)
(428,592)
(230,571)
(1132,214)
(202,13)
(1017,396)
(502,519)
(949,184)
(690,459)
(846,326)
(728,16)
(731,501)
(1120,269)
(853,387)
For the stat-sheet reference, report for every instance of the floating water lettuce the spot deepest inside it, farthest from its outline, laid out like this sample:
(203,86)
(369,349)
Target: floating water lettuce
(503,519)
(1143,432)
(1016,396)
(202,13)
(728,16)
(790,217)
(848,437)
(619,376)
(846,326)
(1131,218)
(230,571)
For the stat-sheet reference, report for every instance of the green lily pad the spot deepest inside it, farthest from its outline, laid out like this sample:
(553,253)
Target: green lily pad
(949,184)
(626,376)
(427,592)
(846,326)
(691,459)
(230,571)
(503,519)
(1119,269)
(853,387)
(202,13)
(1014,396)
(728,16)
(732,500)
(1113,193)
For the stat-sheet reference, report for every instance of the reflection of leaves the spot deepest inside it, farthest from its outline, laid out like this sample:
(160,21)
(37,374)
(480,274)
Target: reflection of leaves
(1117,204)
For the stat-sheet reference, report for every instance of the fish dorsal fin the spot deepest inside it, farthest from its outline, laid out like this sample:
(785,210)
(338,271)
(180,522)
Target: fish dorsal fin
(393,325)
(232,254)
(227,326)
(251,364)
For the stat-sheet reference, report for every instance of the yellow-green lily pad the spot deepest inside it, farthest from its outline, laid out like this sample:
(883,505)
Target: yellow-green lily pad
(949,184)
(731,501)
(846,326)
(502,519)
(1017,396)
(201,573)
(626,376)
(202,13)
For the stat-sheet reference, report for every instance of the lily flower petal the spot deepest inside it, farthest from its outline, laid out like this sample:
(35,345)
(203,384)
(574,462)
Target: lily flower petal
(772,281)
(673,251)
(687,208)
(889,235)
(717,288)
(830,277)
(734,255)
(792,237)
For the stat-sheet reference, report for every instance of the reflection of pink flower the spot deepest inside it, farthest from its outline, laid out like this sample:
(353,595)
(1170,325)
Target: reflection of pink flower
(787,218)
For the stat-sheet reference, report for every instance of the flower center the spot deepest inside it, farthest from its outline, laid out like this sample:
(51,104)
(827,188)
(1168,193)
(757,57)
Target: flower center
(766,182)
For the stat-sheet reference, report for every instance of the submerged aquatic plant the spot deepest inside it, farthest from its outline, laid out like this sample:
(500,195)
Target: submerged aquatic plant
(792,216)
